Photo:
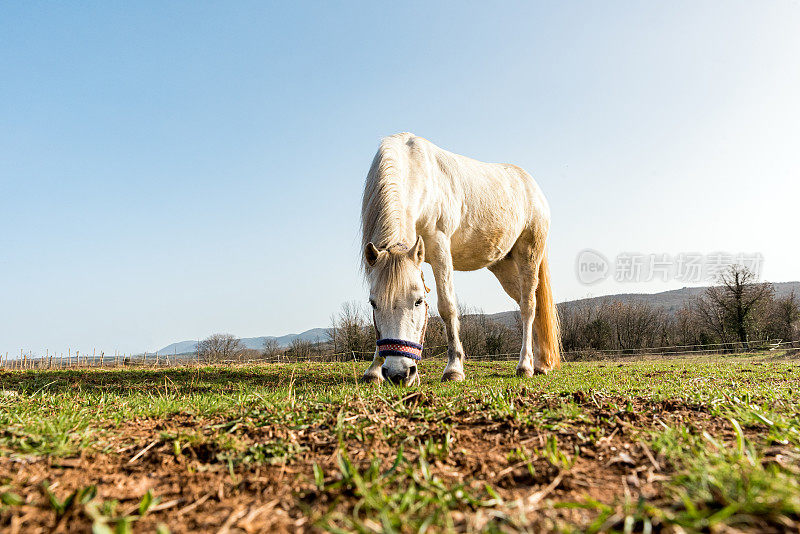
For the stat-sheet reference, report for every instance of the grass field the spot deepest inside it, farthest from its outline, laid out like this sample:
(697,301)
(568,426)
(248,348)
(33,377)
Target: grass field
(659,445)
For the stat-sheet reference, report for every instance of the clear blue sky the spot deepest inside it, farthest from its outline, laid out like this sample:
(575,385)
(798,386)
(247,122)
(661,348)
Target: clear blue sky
(170,171)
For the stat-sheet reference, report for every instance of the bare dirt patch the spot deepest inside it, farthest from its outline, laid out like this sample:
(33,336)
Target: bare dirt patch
(247,476)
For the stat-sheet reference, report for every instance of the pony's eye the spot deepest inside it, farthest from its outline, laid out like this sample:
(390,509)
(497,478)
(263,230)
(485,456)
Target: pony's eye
(372,303)
(418,303)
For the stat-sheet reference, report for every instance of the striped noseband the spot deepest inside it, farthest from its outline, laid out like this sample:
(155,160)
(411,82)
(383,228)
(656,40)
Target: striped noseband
(399,347)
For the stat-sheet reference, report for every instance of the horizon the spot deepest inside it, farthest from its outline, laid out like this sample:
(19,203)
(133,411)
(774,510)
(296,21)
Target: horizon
(478,310)
(167,172)
(473,310)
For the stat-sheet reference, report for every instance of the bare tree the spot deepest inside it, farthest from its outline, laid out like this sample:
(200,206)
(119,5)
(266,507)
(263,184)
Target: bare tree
(435,337)
(471,332)
(571,326)
(480,335)
(271,347)
(495,336)
(350,331)
(599,333)
(711,316)
(635,324)
(612,324)
(595,328)
(333,333)
(300,349)
(687,328)
(732,307)
(785,316)
(219,347)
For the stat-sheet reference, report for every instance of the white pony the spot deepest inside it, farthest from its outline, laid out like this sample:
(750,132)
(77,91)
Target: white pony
(422,203)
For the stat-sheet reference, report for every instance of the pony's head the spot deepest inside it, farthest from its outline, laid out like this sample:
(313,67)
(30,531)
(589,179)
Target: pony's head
(397,296)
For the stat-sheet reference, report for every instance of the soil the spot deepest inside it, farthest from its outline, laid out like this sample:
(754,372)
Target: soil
(199,492)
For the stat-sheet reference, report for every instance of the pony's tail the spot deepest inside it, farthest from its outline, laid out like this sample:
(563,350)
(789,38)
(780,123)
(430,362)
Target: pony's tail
(548,330)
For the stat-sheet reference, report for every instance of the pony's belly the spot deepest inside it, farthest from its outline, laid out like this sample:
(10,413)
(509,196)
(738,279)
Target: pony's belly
(479,248)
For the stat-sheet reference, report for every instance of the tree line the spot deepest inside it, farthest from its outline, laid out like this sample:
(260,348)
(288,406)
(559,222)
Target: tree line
(737,309)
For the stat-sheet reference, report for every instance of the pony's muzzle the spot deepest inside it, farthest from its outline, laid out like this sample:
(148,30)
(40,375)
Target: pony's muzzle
(401,377)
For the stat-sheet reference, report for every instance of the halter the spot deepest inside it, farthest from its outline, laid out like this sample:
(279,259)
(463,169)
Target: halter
(402,347)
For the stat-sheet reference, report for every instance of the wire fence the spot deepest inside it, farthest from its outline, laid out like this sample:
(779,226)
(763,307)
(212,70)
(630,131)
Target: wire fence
(101,360)
(711,348)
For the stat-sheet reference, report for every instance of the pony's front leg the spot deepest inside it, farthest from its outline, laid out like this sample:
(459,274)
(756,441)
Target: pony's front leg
(442,263)
(373,372)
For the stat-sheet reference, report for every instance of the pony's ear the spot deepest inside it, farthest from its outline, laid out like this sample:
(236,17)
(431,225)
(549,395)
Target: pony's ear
(371,253)
(417,253)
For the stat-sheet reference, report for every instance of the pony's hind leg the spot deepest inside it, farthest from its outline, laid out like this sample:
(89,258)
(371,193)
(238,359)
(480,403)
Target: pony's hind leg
(507,273)
(442,263)
(527,257)
(373,372)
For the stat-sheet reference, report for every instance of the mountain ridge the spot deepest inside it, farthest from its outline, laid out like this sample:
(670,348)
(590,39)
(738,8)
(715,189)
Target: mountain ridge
(256,343)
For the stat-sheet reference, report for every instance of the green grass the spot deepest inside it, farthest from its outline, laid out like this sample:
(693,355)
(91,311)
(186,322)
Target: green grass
(368,458)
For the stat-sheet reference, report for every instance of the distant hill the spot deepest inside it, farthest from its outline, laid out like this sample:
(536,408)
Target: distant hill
(257,343)
(670,301)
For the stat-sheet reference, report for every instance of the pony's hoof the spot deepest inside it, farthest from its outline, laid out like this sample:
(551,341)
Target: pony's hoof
(453,376)
(371,379)
(538,371)
(522,372)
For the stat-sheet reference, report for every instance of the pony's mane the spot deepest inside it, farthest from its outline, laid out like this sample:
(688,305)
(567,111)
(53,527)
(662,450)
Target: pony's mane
(383,219)
(381,208)
(395,273)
